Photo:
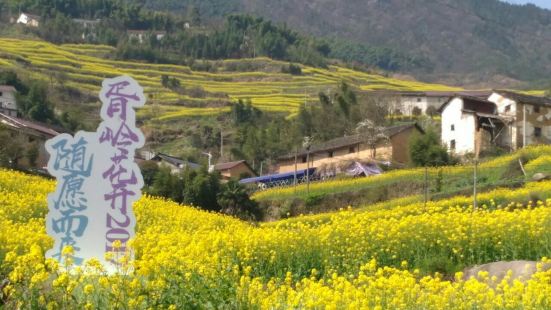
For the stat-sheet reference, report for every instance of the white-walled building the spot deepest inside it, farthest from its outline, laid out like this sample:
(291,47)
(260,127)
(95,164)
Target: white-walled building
(471,125)
(531,117)
(142,35)
(29,20)
(422,101)
(8,101)
(506,119)
(408,102)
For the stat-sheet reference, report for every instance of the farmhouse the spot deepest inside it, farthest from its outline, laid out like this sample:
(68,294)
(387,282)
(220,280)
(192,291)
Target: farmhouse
(353,148)
(531,118)
(175,164)
(8,102)
(142,35)
(506,119)
(235,170)
(29,20)
(422,102)
(88,26)
(471,125)
(29,135)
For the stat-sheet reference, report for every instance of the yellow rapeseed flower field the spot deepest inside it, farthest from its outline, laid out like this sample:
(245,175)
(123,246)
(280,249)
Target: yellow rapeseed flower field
(83,67)
(402,255)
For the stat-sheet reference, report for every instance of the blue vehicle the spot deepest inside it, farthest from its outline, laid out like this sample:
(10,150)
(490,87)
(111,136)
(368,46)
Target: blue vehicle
(280,179)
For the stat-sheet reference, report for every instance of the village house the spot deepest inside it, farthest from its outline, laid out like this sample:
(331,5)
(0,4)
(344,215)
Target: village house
(29,135)
(531,118)
(235,170)
(353,148)
(175,164)
(506,120)
(8,101)
(471,125)
(411,103)
(142,35)
(29,20)
(88,26)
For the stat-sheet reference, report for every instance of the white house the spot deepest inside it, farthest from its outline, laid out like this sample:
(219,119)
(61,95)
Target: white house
(89,27)
(142,35)
(471,125)
(29,20)
(531,117)
(422,101)
(8,102)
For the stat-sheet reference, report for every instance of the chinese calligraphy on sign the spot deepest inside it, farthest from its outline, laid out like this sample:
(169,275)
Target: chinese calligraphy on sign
(98,179)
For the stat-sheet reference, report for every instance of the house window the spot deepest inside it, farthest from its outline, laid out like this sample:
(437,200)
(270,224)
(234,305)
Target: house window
(508,108)
(418,99)
(351,149)
(1,94)
(452,145)
(537,132)
(330,154)
(303,159)
(453,128)
(536,109)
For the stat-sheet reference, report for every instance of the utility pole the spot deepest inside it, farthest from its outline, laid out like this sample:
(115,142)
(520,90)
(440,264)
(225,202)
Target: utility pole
(295,176)
(475,202)
(307,143)
(426,187)
(523,125)
(221,144)
(308,170)
(211,167)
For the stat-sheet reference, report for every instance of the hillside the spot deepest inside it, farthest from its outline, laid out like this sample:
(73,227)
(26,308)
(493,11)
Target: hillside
(467,41)
(83,67)
(387,256)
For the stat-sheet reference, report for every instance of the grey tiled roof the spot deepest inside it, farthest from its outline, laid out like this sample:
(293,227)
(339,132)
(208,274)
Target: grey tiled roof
(345,141)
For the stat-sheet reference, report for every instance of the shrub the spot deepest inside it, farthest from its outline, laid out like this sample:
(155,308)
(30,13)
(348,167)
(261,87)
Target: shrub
(426,150)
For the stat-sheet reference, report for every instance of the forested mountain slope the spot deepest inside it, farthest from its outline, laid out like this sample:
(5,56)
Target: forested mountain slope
(467,40)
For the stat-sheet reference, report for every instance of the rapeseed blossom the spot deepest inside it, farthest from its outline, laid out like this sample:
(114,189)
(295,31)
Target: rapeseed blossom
(380,257)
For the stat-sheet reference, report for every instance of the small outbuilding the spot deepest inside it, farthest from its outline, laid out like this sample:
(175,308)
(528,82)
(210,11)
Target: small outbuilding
(235,170)
(29,20)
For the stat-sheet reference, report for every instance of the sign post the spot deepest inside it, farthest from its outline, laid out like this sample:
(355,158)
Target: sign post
(97,178)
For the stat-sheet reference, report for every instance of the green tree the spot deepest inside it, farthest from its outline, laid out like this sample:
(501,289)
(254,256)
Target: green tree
(426,150)
(36,105)
(11,148)
(162,183)
(201,189)
(235,201)
(10,78)
(149,169)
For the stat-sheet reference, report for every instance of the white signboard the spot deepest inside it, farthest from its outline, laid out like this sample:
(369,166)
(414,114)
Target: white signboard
(97,178)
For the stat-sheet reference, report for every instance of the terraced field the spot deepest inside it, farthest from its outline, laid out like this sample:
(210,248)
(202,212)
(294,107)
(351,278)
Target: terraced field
(83,67)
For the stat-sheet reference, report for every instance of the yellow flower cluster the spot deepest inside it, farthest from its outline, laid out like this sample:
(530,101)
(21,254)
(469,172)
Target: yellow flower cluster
(383,256)
(390,288)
